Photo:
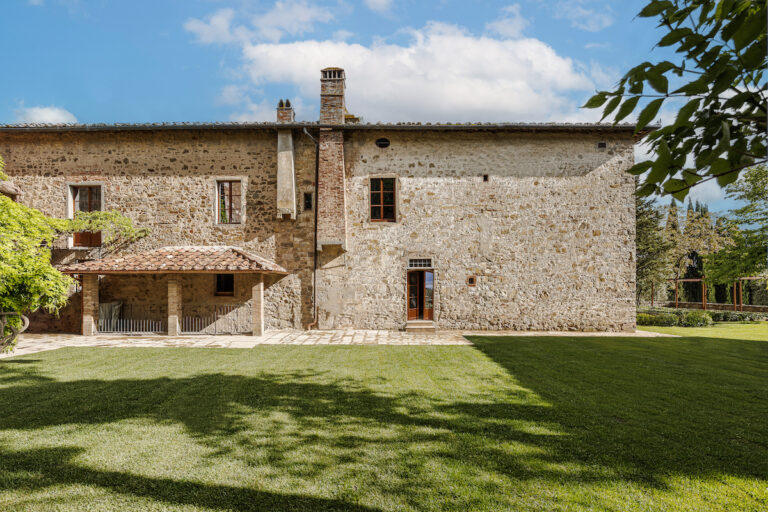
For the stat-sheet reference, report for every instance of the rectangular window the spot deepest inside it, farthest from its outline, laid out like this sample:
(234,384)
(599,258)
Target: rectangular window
(307,201)
(225,284)
(86,199)
(229,201)
(383,200)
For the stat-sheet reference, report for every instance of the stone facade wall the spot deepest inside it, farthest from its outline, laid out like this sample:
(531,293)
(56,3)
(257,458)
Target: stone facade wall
(549,236)
(165,180)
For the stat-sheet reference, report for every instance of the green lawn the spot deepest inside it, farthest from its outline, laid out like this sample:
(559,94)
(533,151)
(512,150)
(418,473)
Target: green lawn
(509,424)
(745,331)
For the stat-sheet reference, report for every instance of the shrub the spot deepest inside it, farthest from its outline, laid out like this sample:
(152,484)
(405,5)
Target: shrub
(662,320)
(696,319)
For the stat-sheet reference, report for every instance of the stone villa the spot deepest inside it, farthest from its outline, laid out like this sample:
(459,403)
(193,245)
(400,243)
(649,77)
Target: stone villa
(339,223)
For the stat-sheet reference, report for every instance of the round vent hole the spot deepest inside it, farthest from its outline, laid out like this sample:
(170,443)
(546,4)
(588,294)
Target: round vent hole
(382,143)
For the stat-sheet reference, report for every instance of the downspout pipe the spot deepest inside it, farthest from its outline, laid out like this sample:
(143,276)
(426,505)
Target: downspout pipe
(313,324)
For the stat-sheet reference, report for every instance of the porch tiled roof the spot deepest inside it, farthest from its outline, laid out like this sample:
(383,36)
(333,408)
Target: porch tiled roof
(181,259)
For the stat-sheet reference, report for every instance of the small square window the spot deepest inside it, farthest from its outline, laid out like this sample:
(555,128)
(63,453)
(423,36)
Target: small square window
(485,177)
(229,197)
(471,280)
(602,145)
(225,284)
(383,203)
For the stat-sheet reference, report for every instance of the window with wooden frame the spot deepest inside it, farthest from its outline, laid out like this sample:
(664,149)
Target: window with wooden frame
(86,198)
(229,201)
(383,200)
(225,284)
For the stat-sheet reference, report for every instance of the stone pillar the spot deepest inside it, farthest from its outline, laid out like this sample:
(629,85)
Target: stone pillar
(90,304)
(174,306)
(258,306)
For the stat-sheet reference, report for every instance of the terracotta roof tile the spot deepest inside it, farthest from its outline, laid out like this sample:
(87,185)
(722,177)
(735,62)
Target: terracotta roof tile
(178,259)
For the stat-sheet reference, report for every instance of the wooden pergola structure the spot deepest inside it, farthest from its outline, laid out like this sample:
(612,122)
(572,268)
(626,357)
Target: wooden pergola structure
(738,290)
(739,283)
(691,280)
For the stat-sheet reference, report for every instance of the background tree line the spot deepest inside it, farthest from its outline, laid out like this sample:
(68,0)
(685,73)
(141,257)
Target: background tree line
(695,242)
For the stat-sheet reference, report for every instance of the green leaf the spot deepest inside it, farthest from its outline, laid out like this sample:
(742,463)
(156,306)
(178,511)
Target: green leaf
(596,100)
(658,82)
(754,57)
(723,9)
(691,177)
(648,114)
(626,108)
(698,86)
(719,166)
(725,80)
(727,179)
(640,168)
(685,113)
(674,185)
(674,36)
(646,190)
(753,27)
(611,106)
(654,8)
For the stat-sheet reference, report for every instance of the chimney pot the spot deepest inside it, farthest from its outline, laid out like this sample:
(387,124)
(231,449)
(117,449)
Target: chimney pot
(285,112)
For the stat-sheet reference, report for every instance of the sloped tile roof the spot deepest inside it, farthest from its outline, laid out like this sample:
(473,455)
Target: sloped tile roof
(407,125)
(185,259)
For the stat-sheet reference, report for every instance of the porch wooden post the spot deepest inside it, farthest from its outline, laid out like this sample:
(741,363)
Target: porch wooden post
(90,304)
(258,306)
(735,287)
(652,294)
(675,293)
(174,306)
(741,295)
(703,294)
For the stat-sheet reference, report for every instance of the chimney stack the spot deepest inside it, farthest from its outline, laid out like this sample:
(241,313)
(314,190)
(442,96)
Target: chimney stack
(332,84)
(285,112)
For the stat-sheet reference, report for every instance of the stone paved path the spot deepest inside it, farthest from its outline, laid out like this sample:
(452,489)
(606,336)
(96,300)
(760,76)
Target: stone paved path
(31,343)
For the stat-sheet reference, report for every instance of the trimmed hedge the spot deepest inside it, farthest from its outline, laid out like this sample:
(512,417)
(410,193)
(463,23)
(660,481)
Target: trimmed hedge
(717,316)
(696,319)
(660,320)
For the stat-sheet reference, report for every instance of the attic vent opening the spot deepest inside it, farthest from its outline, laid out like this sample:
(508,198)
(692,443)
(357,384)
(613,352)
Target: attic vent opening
(602,145)
(485,177)
(420,263)
(382,142)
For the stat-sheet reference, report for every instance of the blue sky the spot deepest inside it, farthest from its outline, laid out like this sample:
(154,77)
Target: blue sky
(94,61)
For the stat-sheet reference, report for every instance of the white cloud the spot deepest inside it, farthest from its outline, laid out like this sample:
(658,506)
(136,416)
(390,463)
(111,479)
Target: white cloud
(593,46)
(286,17)
(510,25)
(53,115)
(292,17)
(232,95)
(706,192)
(442,74)
(584,15)
(342,35)
(380,6)
(217,28)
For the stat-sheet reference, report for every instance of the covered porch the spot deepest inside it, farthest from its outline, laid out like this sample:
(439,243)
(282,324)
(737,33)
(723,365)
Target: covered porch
(175,290)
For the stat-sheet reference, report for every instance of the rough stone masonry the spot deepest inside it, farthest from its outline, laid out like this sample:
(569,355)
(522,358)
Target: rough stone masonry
(520,226)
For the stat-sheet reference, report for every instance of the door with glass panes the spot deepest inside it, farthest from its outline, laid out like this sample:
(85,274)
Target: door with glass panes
(421,286)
